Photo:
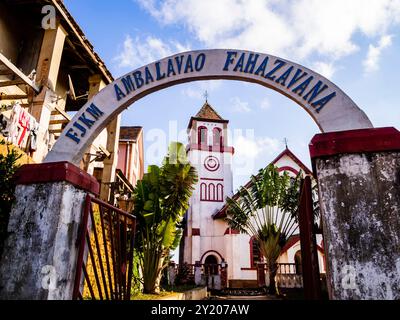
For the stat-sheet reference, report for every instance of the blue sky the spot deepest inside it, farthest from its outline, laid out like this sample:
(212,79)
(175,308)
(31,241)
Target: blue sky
(355,43)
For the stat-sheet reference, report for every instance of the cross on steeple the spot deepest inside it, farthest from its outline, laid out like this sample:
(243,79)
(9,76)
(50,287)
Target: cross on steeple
(286,142)
(206,95)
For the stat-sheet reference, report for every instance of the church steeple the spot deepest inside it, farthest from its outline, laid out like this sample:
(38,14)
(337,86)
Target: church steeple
(208,113)
(207,130)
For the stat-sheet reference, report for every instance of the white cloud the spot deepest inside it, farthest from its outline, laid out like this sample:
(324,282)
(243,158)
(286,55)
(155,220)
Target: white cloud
(371,62)
(324,68)
(248,151)
(265,104)
(239,106)
(282,27)
(138,52)
(198,89)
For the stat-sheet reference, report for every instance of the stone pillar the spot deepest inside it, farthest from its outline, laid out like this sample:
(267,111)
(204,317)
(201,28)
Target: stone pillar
(40,254)
(358,175)
(260,274)
(224,275)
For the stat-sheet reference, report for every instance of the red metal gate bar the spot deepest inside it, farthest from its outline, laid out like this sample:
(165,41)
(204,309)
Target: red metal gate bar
(112,275)
(309,255)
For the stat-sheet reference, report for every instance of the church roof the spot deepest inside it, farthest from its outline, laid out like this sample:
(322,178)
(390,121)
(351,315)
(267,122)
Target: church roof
(207,113)
(222,212)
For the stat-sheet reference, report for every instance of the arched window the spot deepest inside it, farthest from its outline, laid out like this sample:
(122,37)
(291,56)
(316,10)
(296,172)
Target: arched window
(217,137)
(202,136)
(255,254)
(203,192)
(220,192)
(211,192)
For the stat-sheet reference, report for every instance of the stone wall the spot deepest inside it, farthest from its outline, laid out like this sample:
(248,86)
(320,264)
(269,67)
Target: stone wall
(360,201)
(39,257)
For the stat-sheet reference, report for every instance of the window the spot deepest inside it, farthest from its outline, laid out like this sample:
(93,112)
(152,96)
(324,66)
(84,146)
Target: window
(220,192)
(255,254)
(203,192)
(217,137)
(211,192)
(202,132)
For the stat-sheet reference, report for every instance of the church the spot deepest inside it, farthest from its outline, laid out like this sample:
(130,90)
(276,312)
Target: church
(207,238)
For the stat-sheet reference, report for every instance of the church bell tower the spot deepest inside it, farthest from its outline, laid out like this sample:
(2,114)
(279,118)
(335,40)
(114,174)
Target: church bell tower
(209,152)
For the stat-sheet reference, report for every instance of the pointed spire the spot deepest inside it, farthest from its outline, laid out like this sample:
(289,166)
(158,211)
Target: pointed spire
(208,113)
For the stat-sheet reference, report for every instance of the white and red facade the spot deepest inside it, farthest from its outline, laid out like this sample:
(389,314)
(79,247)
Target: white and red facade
(208,237)
(209,152)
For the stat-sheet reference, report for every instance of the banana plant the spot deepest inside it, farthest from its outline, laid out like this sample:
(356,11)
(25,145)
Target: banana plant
(160,200)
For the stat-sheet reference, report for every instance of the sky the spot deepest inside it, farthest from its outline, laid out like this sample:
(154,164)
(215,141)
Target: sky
(354,43)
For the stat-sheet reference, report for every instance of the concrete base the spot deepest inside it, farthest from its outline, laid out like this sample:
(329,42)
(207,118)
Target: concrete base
(39,258)
(360,205)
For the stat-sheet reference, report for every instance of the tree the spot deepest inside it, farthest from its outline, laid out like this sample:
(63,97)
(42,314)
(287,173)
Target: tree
(160,201)
(267,210)
(8,167)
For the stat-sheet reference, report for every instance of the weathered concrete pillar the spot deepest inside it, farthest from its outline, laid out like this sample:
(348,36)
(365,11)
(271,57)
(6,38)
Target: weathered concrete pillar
(358,174)
(40,254)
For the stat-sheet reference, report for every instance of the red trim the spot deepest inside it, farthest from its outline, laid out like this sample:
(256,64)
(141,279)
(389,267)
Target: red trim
(208,166)
(195,232)
(249,269)
(199,136)
(210,179)
(57,172)
(211,193)
(287,168)
(231,231)
(291,242)
(211,251)
(205,120)
(291,155)
(252,253)
(220,192)
(221,149)
(355,141)
(222,212)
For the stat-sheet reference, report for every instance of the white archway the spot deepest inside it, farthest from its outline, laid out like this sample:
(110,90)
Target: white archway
(329,106)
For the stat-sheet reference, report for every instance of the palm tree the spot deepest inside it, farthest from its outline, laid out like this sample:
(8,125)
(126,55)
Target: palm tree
(160,201)
(267,210)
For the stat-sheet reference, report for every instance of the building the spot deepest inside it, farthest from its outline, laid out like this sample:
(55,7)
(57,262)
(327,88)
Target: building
(208,238)
(131,153)
(48,71)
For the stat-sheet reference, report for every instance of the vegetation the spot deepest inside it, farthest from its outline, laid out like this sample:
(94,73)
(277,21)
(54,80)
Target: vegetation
(267,210)
(8,167)
(160,201)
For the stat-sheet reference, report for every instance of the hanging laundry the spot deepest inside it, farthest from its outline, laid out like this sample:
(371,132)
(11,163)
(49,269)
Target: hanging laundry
(13,128)
(34,127)
(24,121)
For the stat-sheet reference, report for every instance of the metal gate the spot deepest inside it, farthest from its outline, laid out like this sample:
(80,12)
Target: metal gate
(105,257)
(309,255)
